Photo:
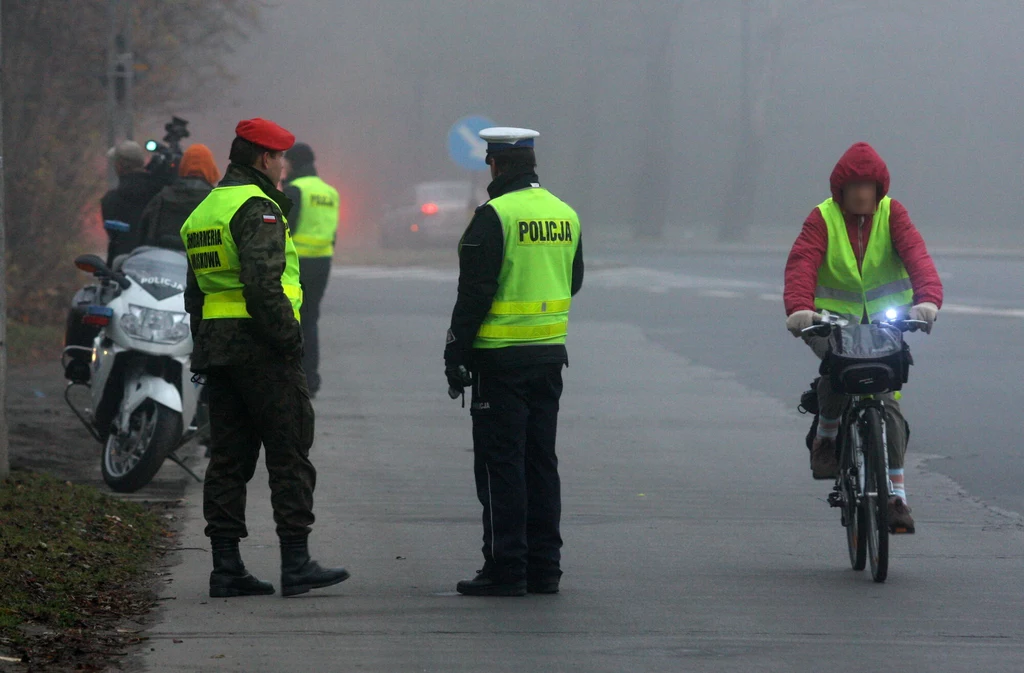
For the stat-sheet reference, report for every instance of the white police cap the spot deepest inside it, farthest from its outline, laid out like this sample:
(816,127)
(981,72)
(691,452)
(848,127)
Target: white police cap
(505,138)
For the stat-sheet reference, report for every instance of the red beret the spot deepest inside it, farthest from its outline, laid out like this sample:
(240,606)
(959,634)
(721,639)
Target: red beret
(265,133)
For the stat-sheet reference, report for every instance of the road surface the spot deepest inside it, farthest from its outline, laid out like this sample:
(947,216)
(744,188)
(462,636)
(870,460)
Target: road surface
(695,539)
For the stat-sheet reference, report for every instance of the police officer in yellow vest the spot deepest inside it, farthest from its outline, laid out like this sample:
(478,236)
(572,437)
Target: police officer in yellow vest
(244,297)
(314,225)
(520,264)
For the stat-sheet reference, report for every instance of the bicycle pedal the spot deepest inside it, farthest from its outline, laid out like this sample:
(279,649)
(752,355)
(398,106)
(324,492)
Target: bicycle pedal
(835,499)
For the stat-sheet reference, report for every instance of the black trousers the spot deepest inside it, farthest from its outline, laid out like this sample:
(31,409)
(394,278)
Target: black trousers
(515,421)
(250,407)
(315,272)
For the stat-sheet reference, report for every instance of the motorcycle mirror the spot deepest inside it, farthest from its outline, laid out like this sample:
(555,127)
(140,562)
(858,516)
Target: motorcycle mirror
(91,264)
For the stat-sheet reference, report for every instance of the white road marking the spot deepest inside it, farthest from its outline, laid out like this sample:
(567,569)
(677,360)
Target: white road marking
(647,280)
(960,309)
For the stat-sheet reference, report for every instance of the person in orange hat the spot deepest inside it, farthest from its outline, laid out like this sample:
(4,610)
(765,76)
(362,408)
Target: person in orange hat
(243,297)
(167,211)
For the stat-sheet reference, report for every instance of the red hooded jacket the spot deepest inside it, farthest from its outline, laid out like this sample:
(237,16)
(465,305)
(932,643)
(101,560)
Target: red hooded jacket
(860,163)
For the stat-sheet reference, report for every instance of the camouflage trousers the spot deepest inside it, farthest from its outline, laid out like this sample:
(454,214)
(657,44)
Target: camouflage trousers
(249,407)
(832,405)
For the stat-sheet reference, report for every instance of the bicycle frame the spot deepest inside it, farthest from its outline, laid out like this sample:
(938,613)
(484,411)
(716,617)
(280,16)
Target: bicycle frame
(851,423)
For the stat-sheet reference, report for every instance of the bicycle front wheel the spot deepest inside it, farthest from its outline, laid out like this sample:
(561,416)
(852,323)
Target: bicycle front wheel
(856,538)
(874,512)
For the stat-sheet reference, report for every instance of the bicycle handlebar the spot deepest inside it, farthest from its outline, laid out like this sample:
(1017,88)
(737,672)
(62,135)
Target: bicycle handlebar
(830,321)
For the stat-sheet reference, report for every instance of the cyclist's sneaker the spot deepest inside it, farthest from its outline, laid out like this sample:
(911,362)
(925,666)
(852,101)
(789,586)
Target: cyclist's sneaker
(824,464)
(900,521)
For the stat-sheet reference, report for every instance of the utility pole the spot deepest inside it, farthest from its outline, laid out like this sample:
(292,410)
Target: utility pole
(5,462)
(120,78)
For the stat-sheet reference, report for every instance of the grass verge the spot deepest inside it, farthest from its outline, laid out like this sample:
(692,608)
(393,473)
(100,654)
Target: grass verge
(28,344)
(73,565)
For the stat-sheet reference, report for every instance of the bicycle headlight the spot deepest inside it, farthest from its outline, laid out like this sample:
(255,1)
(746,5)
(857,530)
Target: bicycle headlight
(161,327)
(891,314)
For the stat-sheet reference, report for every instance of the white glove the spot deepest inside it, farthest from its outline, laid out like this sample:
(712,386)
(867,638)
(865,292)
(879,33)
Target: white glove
(926,311)
(801,320)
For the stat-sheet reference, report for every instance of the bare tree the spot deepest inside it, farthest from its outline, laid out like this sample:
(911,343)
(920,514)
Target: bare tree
(56,117)
(766,24)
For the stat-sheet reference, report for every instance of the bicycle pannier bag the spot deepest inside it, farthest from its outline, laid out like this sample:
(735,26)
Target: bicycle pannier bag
(867,360)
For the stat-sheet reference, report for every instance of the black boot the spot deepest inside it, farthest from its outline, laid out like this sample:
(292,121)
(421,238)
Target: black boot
(299,573)
(488,583)
(229,577)
(543,582)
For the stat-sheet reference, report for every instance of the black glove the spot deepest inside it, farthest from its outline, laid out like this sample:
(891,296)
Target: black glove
(458,378)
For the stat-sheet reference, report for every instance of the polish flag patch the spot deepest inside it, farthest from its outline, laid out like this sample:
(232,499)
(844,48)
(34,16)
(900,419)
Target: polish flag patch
(269,219)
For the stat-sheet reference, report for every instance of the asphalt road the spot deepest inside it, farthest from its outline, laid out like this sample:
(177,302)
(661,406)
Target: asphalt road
(695,538)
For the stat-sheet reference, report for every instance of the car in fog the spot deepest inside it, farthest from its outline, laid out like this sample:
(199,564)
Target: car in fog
(434,213)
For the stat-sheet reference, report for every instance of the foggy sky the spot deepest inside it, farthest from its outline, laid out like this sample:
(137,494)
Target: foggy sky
(374,86)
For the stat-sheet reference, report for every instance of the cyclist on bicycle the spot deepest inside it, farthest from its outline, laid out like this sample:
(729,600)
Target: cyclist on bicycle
(859,255)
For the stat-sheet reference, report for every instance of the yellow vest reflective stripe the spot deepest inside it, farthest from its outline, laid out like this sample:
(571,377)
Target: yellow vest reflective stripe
(213,255)
(881,283)
(534,294)
(318,217)
(231,303)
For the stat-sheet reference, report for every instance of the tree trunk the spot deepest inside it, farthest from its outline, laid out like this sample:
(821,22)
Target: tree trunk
(5,463)
(739,212)
(652,190)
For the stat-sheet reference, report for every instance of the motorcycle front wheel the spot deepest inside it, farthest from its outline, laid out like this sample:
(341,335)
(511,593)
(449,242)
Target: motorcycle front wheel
(132,456)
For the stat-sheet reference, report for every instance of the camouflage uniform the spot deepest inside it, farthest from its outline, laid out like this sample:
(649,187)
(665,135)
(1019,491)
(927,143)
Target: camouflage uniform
(253,368)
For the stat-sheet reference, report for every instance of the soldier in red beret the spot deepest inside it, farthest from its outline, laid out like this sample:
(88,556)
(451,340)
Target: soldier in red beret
(243,298)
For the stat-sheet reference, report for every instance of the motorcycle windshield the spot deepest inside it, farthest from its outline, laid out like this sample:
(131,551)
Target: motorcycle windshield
(159,272)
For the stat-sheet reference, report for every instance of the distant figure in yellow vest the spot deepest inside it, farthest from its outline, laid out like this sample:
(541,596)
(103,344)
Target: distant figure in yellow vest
(858,255)
(243,298)
(520,264)
(314,225)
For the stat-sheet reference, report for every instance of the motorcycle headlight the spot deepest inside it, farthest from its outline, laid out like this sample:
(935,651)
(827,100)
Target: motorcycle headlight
(161,327)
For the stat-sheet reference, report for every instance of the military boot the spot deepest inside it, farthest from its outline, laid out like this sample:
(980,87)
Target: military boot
(229,577)
(299,573)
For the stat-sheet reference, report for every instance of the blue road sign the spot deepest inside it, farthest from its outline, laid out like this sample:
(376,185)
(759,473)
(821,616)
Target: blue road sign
(464,145)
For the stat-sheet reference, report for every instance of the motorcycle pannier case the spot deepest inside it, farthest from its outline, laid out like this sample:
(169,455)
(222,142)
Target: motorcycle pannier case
(867,360)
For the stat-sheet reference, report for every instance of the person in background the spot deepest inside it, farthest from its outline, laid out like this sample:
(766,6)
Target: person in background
(314,226)
(123,205)
(161,221)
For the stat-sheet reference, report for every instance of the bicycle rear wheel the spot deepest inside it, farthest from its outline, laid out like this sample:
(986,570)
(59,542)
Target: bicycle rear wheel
(874,512)
(856,535)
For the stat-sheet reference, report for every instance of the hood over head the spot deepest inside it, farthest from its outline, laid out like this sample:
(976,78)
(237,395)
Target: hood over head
(198,162)
(860,163)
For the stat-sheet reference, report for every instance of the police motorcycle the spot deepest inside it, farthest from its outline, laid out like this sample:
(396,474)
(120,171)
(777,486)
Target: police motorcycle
(129,345)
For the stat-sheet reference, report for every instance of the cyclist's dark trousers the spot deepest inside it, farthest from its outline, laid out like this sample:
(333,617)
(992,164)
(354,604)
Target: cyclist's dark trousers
(515,418)
(832,405)
(315,272)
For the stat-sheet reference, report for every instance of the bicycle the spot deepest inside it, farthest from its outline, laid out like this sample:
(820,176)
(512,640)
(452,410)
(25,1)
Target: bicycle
(865,361)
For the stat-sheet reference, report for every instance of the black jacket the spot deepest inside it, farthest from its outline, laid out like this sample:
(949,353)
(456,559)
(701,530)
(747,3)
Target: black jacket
(125,203)
(167,211)
(481,255)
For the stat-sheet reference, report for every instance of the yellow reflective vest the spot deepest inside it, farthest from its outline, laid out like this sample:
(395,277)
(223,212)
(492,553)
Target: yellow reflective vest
(213,255)
(881,282)
(318,217)
(534,294)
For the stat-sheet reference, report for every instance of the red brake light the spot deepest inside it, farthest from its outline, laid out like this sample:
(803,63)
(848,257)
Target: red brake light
(414,228)
(429,209)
